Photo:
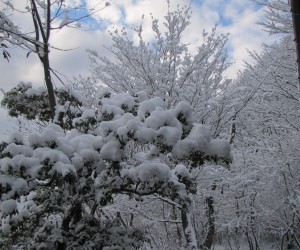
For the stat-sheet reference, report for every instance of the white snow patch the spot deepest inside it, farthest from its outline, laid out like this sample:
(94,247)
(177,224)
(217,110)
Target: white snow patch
(184,109)
(64,169)
(182,171)
(219,147)
(16,137)
(168,135)
(111,151)
(8,206)
(147,106)
(150,172)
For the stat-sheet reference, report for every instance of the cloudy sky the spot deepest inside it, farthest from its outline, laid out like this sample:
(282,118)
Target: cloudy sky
(237,17)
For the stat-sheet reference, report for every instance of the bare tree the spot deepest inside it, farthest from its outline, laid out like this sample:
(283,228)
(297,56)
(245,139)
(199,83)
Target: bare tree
(46,16)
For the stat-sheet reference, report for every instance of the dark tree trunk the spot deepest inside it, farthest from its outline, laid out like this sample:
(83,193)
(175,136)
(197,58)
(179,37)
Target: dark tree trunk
(74,215)
(188,229)
(295,9)
(184,222)
(211,220)
(49,84)
(42,36)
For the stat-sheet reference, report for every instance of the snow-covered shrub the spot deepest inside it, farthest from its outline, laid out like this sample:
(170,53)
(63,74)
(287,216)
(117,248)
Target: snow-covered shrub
(32,103)
(56,185)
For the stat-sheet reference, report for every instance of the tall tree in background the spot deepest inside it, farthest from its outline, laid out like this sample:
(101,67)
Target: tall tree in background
(46,16)
(266,146)
(267,141)
(166,68)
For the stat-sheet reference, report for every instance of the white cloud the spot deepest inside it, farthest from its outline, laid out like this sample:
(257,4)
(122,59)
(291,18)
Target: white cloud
(73,3)
(245,33)
(74,59)
(109,12)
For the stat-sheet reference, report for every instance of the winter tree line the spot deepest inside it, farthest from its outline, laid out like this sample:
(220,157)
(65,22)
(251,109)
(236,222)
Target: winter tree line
(165,153)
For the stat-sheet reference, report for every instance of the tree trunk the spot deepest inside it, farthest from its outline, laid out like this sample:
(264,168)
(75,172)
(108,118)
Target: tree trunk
(295,9)
(49,84)
(42,30)
(74,214)
(189,231)
(211,223)
(177,227)
(211,220)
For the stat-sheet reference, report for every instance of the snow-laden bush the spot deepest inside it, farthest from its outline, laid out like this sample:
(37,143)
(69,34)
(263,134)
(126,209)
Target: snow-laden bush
(55,185)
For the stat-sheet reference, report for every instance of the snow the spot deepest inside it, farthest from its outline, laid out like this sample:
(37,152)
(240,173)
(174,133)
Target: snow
(201,135)
(122,132)
(111,151)
(90,155)
(190,231)
(48,137)
(36,91)
(160,117)
(200,140)
(153,153)
(133,124)
(16,137)
(184,109)
(14,149)
(152,133)
(5,164)
(105,93)
(30,165)
(64,169)
(117,105)
(72,92)
(182,171)
(142,96)
(32,195)
(86,116)
(77,161)
(5,227)
(8,206)
(59,109)
(145,135)
(147,106)
(9,3)
(88,113)
(51,156)
(219,147)
(122,100)
(107,127)
(84,142)
(150,172)
(64,146)
(240,194)
(24,85)
(168,135)
(16,186)
(42,4)
(184,148)
(112,109)
(65,21)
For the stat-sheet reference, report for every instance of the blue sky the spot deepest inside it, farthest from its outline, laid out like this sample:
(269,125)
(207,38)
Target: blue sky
(237,17)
